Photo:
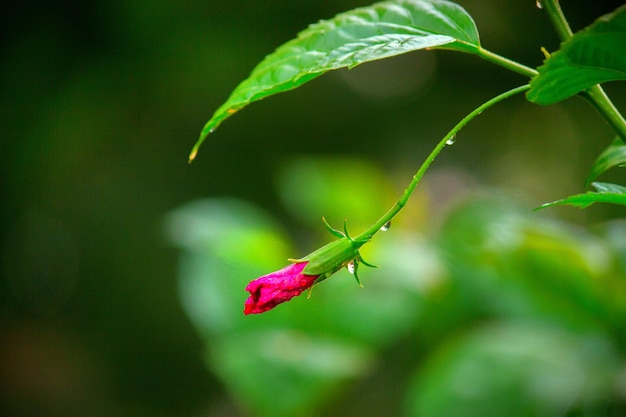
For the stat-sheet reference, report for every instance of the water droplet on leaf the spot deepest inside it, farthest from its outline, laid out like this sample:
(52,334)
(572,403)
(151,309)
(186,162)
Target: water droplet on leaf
(385,226)
(350,267)
(451,140)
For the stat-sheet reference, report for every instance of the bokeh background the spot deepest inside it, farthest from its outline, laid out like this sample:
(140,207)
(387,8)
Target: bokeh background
(123,267)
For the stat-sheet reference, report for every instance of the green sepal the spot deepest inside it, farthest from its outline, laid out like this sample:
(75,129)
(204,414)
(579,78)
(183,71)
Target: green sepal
(355,272)
(331,257)
(332,230)
(357,261)
(345,228)
(361,260)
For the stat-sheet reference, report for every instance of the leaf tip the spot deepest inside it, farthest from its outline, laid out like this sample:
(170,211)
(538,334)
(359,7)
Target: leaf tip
(544,205)
(206,131)
(193,155)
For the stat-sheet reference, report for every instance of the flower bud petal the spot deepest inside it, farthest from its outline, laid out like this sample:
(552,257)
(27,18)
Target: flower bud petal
(270,290)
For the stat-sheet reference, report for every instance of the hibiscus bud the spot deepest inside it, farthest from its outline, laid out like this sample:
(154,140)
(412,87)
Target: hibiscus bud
(270,290)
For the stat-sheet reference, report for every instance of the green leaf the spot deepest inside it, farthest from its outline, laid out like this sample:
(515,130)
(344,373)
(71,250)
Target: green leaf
(365,34)
(607,193)
(593,55)
(604,187)
(614,155)
(513,369)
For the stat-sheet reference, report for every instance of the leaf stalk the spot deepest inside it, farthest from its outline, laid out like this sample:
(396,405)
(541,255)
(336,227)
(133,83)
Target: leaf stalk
(506,62)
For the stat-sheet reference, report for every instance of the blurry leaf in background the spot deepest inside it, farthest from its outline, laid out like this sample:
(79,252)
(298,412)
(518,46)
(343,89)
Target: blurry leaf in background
(514,369)
(615,234)
(225,244)
(337,188)
(592,56)
(614,155)
(533,318)
(519,265)
(282,371)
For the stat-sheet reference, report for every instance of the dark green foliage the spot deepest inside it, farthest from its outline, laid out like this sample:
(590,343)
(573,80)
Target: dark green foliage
(592,56)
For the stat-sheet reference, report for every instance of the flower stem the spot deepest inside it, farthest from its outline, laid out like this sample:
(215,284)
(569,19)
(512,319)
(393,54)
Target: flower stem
(557,18)
(595,95)
(373,229)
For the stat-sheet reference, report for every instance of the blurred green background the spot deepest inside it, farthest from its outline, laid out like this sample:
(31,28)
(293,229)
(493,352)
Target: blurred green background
(123,267)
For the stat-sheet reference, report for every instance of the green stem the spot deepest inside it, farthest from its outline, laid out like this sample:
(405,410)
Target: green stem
(595,95)
(557,18)
(373,229)
(506,62)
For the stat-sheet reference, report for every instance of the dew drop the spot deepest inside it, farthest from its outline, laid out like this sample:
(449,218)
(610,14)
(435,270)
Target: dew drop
(451,140)
(385,226)
(538,4)
(350,267)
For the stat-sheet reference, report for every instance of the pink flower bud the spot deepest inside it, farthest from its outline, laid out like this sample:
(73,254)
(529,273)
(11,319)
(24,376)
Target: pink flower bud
(270,290)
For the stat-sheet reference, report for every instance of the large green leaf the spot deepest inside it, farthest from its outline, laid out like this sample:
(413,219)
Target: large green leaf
(614,155)
(592,56)
(365,34)
(606,193)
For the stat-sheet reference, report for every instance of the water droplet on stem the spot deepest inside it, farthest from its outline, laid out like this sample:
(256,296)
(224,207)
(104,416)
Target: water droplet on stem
(538,4)
(385,226)
(451,140)
(350,267)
